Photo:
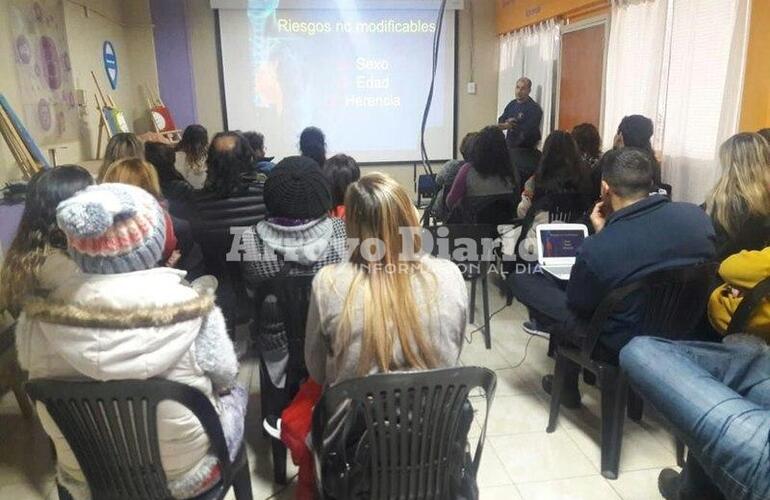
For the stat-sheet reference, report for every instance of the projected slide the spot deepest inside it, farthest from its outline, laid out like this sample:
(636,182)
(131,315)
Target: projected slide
(360,75)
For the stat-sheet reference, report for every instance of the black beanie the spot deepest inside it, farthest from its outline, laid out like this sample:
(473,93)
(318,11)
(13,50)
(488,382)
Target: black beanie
(296,188)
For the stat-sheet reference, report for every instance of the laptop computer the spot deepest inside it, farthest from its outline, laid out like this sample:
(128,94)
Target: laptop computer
(557,246)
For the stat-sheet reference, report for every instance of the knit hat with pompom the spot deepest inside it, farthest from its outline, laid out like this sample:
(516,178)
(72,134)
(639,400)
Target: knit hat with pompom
(113,228)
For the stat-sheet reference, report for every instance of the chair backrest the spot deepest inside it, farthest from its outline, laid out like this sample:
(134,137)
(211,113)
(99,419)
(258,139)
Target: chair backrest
(410,425)
(292,292)
(567,207)
(112,429)
(564,207)
(748,307)
(672,302)
(490,209)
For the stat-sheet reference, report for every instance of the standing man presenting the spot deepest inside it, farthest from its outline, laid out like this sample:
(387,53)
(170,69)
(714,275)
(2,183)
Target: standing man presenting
(522,118)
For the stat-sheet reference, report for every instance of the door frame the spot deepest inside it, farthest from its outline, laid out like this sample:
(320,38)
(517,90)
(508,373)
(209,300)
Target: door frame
(603,19)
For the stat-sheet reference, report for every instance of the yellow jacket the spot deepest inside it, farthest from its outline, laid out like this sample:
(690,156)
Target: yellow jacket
(740,273)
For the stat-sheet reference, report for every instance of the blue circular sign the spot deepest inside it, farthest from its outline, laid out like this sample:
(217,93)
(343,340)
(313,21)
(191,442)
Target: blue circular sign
(110,64)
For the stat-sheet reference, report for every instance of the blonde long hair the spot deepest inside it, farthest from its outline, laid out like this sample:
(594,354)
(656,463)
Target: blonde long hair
(377,208)
(136,172)
(744,188)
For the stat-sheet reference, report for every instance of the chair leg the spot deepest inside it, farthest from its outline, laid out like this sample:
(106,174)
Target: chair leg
(614,387)
(21,398)
(63,493)
(472,316)
(680,452)
(635,406)
(242,481)
(279,461)
(559,378)
(485,300)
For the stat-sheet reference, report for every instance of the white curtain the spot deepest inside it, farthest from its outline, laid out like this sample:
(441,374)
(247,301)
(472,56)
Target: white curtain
(635,63)
(704,91)
(681,63)
(532,52)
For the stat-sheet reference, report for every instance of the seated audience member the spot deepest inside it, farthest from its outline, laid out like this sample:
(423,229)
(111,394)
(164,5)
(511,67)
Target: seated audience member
(740,273)
(397,313)
(739,204)
(636,235)
(488,173)
(120,292)
(720,390)
(298,232)
(123,145)
(446,177)
(561,170)
(341,171)
(228,201)
(257,142)
(297,237)
(634,131)
(765,132)
(180,249)
(190,158)
(175,188)
(37,260)
(589,144)
(312,143)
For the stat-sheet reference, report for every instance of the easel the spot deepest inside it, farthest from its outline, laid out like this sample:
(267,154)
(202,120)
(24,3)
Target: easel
(103,129)
(157,108)
(19,150)
(106,106)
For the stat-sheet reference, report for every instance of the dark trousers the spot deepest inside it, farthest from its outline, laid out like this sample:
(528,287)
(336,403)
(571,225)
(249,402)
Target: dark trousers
(546,300)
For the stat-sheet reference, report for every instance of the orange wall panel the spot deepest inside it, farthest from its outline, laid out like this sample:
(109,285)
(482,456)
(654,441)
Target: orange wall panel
(515,14)
(755,111)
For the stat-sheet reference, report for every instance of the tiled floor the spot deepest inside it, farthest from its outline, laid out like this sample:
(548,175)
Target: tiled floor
(520,461)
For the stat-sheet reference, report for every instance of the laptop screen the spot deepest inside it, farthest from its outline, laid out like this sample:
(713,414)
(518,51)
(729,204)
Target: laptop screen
(561,243)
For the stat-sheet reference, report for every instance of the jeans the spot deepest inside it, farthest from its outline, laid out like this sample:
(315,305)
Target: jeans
(717,397)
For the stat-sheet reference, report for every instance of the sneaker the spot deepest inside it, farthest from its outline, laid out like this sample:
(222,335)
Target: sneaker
(668,484)
(532,328)
(272,426)
(569,399)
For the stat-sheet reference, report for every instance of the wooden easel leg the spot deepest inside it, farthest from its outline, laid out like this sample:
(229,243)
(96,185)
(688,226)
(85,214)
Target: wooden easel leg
(99,141)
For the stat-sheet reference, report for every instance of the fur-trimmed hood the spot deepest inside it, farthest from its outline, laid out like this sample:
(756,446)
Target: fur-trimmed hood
(131,325)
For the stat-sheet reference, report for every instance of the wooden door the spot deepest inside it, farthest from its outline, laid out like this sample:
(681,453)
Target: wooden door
(581,77)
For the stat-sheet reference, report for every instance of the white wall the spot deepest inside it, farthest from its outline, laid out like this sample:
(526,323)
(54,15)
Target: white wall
(127,25)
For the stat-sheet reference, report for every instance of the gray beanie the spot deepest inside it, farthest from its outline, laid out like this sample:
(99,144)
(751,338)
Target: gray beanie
(113,228)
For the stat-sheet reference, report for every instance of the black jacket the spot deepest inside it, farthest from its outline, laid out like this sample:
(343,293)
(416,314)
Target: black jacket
(211,220)
(651,235)
(753,235)
(528,116)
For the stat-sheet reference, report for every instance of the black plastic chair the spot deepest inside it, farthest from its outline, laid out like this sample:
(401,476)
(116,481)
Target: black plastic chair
(675,302)
(408,433)
(477,219)
(567,207)
(292,292)
(112,429)
(426,187)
